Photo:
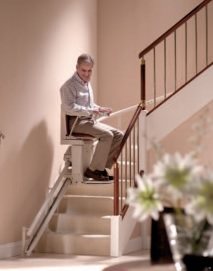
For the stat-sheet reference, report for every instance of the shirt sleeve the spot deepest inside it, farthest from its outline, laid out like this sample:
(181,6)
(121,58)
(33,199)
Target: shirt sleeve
(92,104)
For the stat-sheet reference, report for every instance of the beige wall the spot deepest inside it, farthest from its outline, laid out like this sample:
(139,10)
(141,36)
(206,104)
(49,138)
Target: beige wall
(40,41)
(194,134)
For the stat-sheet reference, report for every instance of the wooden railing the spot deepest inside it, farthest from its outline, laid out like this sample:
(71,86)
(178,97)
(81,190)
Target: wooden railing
(127,166)
(179,55)
(166,82)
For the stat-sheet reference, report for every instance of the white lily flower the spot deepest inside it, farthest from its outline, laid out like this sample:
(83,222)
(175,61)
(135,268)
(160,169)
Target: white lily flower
(144,199)
(201,206)
(176,172)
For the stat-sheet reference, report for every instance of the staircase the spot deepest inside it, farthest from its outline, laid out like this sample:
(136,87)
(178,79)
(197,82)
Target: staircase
(82,222)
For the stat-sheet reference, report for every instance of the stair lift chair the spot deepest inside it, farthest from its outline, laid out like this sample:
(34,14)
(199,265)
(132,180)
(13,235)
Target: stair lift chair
(80,150)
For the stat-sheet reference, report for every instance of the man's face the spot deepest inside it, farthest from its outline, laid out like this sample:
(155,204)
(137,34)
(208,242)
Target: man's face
(84,71)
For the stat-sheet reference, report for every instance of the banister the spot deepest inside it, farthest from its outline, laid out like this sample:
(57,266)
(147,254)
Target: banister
(118,207)
(127,133)
(173,28)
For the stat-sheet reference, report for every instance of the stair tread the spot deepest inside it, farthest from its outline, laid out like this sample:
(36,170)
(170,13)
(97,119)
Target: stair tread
(87,196)
(76,215)
(76,234)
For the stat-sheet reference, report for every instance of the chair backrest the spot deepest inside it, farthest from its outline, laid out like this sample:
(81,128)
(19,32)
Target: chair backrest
(69,130)
(67,137)
(67,120)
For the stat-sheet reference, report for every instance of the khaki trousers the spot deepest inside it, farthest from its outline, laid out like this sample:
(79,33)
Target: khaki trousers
(108,138)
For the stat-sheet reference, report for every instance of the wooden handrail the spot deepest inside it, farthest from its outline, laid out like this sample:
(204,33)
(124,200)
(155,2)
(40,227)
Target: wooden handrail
(173,28)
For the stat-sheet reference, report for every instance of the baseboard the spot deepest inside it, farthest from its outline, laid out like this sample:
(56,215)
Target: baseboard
(10,250)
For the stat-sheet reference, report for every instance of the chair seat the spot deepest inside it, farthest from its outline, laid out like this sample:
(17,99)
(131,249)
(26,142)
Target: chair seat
(80,136)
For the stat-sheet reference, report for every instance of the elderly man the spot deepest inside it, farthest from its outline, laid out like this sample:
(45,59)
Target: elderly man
(77,100)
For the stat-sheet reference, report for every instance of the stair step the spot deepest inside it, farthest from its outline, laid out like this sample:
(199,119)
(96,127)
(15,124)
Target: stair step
(66,223)
(105,190)
(87,244)
(91,189)
(95,205)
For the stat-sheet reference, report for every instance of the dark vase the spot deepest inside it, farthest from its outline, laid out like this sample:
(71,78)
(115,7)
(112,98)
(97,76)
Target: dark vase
(198,263)
(160,249)
(191,242)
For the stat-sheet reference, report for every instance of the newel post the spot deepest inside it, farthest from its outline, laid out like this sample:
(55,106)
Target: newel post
(143,84)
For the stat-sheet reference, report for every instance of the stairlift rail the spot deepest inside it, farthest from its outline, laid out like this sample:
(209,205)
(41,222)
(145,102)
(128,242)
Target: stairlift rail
(46,203)
(44,223)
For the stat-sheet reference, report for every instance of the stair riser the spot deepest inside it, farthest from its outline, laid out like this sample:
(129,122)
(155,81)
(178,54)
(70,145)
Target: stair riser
(85,205)
(80,224)
(95,189)
(77,245)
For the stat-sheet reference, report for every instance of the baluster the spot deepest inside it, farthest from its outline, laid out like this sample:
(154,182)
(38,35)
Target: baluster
(207,40)
(196,62)
(164,68)
(175,59)
(154,66)
(186,46)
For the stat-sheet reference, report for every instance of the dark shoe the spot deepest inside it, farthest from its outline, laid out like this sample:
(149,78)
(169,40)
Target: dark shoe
(106,174)
(96,175)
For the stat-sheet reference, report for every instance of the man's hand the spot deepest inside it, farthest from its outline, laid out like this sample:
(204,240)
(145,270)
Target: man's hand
(95,111)
(105,110)
(101,111)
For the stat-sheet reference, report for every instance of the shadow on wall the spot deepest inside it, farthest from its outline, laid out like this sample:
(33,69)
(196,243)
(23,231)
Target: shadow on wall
(38,153)
(26,176)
